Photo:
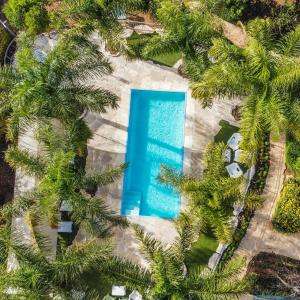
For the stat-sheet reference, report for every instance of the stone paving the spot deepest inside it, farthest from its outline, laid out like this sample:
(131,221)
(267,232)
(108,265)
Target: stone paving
(260,235)
(108,146)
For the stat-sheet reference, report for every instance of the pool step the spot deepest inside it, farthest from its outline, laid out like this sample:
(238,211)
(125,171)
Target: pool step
(132,202)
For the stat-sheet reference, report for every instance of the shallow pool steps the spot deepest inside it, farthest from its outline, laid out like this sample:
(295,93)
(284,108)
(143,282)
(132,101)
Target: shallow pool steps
(132,203)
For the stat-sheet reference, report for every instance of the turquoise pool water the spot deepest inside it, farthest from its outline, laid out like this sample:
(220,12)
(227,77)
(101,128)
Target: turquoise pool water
(155,137)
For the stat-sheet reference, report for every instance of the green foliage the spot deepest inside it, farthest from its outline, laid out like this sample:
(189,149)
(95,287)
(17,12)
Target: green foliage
(4,41)
(59,181)
(30,15)
(39,275)
(212,197)
(262,73)
(101,16)
(33,97)
(226,131)
(186,30)
(201,251)
(293,155)
(137,43)
(287,214)
(235,9)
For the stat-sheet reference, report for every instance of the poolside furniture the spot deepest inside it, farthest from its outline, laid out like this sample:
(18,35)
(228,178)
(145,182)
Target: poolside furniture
(65,226)
(234,141)
(221,248)
(227,155)
(237,155)
(214,260)
(234,170)
(118,290)
(237,208)
(135,295)
(65,206)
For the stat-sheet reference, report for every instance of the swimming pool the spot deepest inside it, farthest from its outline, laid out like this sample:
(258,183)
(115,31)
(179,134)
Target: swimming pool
(155,137)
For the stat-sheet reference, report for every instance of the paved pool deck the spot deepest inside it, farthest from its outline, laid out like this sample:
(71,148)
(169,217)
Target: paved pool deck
(108,146)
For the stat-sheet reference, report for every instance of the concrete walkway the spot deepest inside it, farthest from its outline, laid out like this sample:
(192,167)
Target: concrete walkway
(260,235)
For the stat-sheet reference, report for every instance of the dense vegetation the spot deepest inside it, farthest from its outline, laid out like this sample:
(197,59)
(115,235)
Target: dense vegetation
(30,15)
(4,41)
(51,96)
(211,198)
(287,214)
(293,154)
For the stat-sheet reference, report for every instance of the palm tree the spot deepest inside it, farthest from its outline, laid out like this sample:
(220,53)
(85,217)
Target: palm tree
(38,276)
(187,28)
(60,179)
(211,198)
(167,276)
(56,87)
(87,16)
(265,72)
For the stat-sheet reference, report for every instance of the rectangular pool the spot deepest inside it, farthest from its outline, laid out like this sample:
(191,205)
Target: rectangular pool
(155,137)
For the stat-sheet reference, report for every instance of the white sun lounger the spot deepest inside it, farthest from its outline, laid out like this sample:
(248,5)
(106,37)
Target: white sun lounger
(237,155)
(234,170)
(65,226)
(234,141)
(65,206)
(118,291)
(227,155)
(135,295)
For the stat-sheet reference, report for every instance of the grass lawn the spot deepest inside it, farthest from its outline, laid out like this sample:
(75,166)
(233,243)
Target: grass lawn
(201,251)
(225,132)
(137,42)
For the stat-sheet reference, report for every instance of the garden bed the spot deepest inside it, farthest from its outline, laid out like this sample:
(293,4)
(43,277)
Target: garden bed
(265,269)
(257,186)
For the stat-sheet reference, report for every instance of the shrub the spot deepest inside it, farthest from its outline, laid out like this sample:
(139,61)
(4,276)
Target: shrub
(30,15)
(287,213)
(293,155)
(235,9)
(4,41)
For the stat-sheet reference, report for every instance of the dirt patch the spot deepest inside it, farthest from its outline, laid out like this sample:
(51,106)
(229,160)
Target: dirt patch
(274,275)
(284,2)
(7,174)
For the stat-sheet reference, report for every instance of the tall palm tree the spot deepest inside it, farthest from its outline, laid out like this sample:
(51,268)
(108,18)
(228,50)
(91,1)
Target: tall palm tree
(167,276)
(266,72)
(38,276)
(60,180)
(211,198)
(87,16)
(187,28)
(54,88)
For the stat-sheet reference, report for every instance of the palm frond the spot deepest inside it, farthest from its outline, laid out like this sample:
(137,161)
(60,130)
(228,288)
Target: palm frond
(110,175)
(30,164)
(289,45)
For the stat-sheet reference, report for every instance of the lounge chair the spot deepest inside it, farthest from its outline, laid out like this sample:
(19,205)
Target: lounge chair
(65,227)
(237,155)
(135,295)
(234,170)
(234,141)
(118,291)
(227,155)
